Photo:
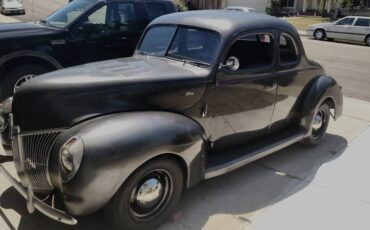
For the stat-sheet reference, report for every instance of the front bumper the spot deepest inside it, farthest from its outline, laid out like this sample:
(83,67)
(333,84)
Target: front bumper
(309,32)
(35,203)
(13,11)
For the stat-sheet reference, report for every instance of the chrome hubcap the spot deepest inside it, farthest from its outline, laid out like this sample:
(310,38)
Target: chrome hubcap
(22,80)
(319,34)
(318,124)
(151,195)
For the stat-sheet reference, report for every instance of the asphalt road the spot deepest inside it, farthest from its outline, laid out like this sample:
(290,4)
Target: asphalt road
(348,63)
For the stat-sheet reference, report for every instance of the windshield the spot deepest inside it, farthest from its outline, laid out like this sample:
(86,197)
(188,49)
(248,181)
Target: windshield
(68,13)
(181,43)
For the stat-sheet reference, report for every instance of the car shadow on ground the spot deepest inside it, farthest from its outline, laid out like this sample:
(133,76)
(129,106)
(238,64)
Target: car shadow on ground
(239,193)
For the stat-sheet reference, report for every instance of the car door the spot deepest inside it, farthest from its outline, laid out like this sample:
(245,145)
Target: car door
(245,96)
(290,78)
(343,29)
(87,41)
(362,28)
(125,26)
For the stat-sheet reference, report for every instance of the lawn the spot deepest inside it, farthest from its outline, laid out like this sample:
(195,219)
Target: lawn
(301,23)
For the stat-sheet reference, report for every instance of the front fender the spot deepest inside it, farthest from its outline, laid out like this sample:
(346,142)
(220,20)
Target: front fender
(322,88)
(116,145)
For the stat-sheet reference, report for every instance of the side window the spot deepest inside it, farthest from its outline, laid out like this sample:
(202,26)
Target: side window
(155,9)
(345,22)
(93,25)
(122,17)
(364,22)
(99,16)
(288,50)
(253,51)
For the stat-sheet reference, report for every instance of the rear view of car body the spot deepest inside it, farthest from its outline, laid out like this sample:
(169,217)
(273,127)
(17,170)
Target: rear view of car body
(12,7)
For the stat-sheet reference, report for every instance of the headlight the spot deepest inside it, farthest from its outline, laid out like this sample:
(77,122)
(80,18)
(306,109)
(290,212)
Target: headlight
(71,157)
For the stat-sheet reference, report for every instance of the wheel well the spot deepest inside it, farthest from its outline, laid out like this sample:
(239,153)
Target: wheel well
(26,60)
(330,102)
(367,37)
(175,158)
(319,29)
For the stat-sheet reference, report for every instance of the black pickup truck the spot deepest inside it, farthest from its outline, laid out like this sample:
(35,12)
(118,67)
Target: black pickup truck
(80,32)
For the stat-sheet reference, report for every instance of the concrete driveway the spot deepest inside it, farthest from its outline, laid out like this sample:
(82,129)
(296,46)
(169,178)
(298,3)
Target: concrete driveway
(295,188)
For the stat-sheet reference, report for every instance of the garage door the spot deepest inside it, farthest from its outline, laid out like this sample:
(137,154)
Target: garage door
(259,5)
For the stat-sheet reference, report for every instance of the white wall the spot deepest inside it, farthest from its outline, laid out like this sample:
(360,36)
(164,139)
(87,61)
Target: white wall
(259,5)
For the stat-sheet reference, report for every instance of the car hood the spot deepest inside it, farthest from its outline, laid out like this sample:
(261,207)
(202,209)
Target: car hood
(22,29)
(66,97)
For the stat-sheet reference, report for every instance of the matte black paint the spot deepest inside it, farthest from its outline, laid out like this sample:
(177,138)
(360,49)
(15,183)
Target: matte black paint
(128,111)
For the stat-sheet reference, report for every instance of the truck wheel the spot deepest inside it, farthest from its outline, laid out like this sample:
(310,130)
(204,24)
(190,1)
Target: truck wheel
(15,77)
(148,197)
(319,34)
(319,126)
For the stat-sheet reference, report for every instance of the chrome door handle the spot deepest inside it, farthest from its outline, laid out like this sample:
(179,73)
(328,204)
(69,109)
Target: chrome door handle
(273,87)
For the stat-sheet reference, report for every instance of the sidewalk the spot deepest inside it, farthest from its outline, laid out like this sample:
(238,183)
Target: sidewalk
(322,188)
(7,19)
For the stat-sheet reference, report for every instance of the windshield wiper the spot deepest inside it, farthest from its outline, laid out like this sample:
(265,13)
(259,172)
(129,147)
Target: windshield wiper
(148,53)
(195,62)
(188,60)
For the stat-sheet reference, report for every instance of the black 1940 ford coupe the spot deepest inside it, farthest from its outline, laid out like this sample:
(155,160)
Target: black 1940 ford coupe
(205,93)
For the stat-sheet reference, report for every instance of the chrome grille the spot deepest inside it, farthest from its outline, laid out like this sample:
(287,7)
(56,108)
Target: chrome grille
(31,157)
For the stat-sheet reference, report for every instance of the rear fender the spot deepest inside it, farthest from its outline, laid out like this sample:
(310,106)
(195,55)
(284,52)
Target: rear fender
(321,89)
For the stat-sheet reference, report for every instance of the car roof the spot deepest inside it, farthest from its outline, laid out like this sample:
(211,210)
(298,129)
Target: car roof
(239,7)
(226,22)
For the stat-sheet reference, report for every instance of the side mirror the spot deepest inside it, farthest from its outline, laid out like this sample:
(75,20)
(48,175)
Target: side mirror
(232,64)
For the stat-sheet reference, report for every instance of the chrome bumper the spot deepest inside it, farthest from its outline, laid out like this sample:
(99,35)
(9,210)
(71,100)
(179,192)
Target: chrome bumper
(34,202)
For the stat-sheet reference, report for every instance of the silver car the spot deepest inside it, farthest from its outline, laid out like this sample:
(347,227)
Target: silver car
(348,28)
(11,7)
(240,8)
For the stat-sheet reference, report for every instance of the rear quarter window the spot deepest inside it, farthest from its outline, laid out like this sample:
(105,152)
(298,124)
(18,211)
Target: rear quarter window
(364,22)
(155,10)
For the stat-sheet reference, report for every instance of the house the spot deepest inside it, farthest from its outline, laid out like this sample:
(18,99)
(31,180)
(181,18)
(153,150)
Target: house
(292,6)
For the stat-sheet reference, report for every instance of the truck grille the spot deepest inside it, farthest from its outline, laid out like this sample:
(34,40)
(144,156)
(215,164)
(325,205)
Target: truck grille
(31,156)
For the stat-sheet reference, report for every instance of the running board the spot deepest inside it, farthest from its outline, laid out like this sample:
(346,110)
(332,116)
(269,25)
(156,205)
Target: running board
(229,166)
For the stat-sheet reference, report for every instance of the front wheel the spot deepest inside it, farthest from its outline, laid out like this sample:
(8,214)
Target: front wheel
(319,34)
(148,197)
(319,126)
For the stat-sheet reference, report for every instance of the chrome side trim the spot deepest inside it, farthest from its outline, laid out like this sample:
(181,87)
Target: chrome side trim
(260,153)
(45,209)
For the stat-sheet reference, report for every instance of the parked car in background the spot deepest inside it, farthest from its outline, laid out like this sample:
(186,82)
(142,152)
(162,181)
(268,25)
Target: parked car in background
(80,32)
(198,99)
(240,8)
(349,28)
(13,7)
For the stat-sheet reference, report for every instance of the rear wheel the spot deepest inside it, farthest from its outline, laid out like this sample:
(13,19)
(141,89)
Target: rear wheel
(367,40)
(319,34)
(16,76)
(148,197)
(319,125)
